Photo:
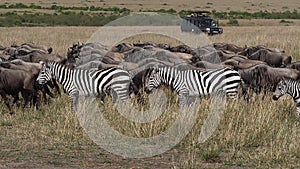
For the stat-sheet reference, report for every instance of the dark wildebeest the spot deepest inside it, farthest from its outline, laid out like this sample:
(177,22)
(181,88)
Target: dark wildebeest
(29,47)
(14,81)
(265,78)
(247,51)
(181,49)
(208,65)
(123,47)
(229,47)
(4,58)
(294,65)
(225,55)
(37,56)
(206,53)
(242,63)
(33,69)
(275,59)
(142,45)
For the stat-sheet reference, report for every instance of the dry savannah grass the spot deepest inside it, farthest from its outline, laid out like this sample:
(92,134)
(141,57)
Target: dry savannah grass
(259,134)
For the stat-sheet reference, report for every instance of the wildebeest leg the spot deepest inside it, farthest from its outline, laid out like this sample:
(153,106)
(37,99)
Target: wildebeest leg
(16,98)
(55,84)
(6,101)
(140,98)
(245,91)
(26,96)
(133,89)
(34,99)
(37,98)
(46,90)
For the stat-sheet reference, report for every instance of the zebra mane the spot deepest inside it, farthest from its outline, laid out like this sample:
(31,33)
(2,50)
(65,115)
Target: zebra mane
(286,79)
(51,63)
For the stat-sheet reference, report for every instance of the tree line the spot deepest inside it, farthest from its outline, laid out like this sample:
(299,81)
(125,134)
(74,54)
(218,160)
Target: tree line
(99,16)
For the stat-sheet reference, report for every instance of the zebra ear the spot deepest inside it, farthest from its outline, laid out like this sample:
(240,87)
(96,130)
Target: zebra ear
(284,80)
(155,68)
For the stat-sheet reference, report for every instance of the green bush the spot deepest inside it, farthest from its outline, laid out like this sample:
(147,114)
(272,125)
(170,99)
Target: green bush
(67,18)
(233,22)
(257,15)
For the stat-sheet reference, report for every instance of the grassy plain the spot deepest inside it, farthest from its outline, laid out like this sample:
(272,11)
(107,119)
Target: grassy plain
(259,134)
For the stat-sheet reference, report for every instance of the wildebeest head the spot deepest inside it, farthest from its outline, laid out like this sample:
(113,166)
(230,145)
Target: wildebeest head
(45,74)
(281,89)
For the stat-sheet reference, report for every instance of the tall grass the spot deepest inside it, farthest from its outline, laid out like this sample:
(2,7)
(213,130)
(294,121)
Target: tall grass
(260,134)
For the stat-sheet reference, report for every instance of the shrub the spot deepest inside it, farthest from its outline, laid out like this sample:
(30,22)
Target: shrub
(233,22)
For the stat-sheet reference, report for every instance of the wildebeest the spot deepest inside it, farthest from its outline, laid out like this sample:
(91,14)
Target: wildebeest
(208,65)
(294,65)
(37,56)
(247,51)
(181,49)
(32,69)
(26,48)
(14,81)
(229,47)
(123,47)
(265,78)
(241,63)
(275,59)
(4,58)
(206,53)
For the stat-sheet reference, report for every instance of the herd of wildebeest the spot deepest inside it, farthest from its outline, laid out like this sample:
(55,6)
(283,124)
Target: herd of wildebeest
(260,67)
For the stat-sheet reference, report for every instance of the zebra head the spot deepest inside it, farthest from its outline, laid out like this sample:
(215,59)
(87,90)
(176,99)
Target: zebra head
(154,80)
(281,89)
(45,74)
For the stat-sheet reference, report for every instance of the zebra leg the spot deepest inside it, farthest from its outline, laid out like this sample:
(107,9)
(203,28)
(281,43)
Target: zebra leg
(114,95)
(298,112)
(74,97)
(190,100)
(183,98)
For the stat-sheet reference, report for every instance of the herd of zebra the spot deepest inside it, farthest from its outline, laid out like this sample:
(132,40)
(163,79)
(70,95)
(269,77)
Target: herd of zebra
(92,69)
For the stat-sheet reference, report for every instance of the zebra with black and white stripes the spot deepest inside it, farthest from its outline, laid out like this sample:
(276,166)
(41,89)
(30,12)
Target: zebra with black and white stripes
(291,87)
(78,82)
(191,83)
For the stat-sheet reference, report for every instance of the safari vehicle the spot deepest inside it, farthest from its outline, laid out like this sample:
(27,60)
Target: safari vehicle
(199,22)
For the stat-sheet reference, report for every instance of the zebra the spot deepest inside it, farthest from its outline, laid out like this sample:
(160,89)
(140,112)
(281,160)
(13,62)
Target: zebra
(78,82)
(199,83)
(290,87)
